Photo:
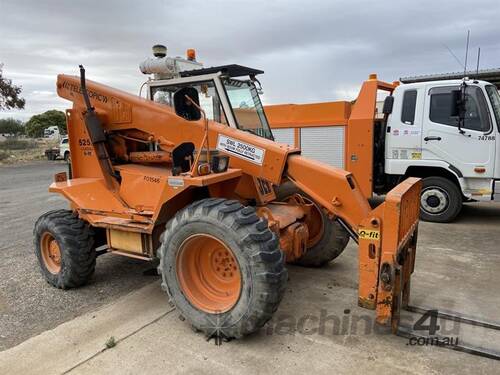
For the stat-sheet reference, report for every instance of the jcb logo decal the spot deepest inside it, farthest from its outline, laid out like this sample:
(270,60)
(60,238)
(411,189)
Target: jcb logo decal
(368,234)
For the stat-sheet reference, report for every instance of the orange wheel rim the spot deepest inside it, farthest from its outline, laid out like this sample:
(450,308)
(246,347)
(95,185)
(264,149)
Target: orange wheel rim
(208,273)
(51,253)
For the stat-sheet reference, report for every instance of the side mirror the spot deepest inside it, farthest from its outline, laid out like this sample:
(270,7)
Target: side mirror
(183,107)
(388,104)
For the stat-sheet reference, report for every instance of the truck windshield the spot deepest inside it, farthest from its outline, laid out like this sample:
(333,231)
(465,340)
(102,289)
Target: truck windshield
(247,107)
(495,102)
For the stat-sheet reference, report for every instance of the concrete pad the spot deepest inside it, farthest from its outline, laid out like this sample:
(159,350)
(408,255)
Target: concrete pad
(60,349)
(151,339)
(169,345)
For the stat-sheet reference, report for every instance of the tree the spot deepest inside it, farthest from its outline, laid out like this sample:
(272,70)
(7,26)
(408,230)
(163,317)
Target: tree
(9,94)
(36,124)
(11,126)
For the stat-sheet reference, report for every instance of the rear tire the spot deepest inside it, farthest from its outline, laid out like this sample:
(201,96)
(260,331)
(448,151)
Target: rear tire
(440,200)
(258,258)
(64,246)
(333,241)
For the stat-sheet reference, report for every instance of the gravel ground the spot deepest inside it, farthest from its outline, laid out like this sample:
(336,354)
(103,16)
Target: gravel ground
(28,305)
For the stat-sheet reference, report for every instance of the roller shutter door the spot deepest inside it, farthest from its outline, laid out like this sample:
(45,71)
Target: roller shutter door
(284,136)
(325,144)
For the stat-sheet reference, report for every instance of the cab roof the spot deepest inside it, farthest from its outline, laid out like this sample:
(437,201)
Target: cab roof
(232,70)
(448,82)
(489,75)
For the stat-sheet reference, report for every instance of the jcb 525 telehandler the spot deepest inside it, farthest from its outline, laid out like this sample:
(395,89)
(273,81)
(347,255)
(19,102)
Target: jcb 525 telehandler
(192,176)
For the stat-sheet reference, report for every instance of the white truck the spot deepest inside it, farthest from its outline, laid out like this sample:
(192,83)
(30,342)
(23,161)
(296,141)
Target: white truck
(446,132)
(61,151)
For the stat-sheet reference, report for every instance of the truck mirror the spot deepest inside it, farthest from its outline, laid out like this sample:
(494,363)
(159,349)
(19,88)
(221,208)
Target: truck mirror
(388,104)
(456,103)
(183,107)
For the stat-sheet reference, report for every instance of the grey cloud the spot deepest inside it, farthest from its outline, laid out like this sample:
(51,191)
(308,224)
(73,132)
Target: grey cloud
(310,51)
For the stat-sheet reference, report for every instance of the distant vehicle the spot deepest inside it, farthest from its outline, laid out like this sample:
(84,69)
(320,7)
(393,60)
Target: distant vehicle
(60,151)
(52,132)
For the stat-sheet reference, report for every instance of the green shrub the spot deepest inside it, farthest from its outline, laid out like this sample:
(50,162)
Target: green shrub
(11,126)
(37,123)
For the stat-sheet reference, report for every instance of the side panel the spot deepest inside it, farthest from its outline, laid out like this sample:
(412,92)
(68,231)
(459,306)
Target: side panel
(404,141)
(325,144)
(360,135)
(83,161)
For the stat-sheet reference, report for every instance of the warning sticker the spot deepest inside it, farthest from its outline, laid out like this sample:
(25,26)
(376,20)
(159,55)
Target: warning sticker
(369,234)
(240,149)
(416,155)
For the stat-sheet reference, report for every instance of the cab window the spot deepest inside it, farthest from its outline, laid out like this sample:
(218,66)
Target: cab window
(476,111)
(208,99)
(409,105)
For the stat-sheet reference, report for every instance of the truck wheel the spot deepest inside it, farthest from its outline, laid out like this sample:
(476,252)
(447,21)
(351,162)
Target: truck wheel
(222,267)
(328,240)
(64,248)
(66,157)
(440,200)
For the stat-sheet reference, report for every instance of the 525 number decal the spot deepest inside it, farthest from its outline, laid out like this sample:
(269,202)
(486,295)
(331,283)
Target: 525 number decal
(82,142)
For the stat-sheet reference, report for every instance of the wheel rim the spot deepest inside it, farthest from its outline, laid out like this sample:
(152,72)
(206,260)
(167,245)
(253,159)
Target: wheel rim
(434,200)
(208,273)
(51,253)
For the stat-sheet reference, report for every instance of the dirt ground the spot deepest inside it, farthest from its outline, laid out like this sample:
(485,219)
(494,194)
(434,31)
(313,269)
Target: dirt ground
(35,151)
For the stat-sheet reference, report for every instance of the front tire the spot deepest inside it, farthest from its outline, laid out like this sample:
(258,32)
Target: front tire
(440,200)
(64,247)
(222,267)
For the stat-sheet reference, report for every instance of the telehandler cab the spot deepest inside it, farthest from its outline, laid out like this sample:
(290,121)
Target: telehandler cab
(192,176)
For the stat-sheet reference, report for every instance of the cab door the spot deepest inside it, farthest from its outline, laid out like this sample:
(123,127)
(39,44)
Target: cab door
(471,151)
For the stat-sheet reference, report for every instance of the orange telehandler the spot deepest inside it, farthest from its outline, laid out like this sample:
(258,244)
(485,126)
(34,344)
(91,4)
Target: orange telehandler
(192,176)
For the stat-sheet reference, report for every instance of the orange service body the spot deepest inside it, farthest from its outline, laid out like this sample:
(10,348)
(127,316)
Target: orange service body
(357,117)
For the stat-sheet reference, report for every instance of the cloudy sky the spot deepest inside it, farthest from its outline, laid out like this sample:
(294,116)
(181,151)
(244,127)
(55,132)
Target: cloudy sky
(310,50)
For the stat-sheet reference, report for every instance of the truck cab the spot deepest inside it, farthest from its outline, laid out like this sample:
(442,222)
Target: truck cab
(51,132)
(457,154)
